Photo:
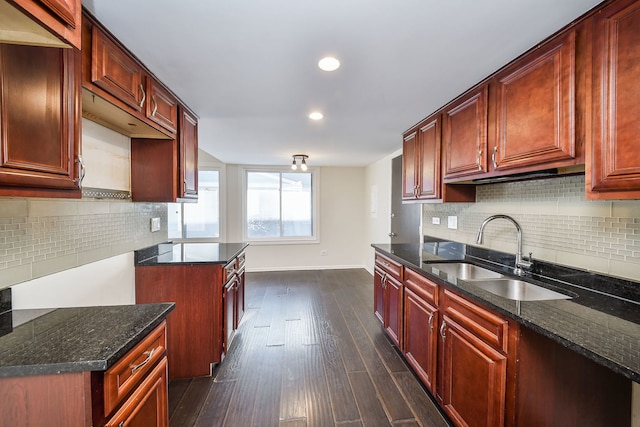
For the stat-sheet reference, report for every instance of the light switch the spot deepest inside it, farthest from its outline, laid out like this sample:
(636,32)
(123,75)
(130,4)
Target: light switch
(155,224)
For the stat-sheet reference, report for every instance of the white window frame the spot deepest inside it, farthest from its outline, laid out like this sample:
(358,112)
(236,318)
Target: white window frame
(315,209)
(220,213)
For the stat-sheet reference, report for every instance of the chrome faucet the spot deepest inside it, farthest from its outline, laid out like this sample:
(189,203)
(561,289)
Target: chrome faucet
(520,263)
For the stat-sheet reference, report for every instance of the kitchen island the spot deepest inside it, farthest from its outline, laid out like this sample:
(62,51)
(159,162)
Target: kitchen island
(206,281)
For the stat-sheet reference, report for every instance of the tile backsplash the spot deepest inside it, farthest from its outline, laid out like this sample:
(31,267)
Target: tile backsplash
(39,237)
(558,224)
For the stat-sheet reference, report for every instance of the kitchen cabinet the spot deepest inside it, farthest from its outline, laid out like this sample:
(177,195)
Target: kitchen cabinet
(133,390)
(188,154)
(535,102)
(421,326)
(59,17)
(421,164)
(388,291)
(233,297)
(114,74)
(421,167)
(473,363)
(613,162)
(40,140)
(166,170)
(465,135)
(209,299)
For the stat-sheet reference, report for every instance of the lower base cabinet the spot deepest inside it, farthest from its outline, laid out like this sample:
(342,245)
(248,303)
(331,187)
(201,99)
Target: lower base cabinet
(132,392)
(486,370)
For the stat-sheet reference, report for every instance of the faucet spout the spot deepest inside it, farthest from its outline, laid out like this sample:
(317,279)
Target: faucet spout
(520,263)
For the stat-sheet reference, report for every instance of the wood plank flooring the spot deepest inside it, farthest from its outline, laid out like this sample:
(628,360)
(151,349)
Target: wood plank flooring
(309,353)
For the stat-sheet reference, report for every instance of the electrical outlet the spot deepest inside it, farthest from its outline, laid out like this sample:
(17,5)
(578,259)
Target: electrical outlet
(324,252)
(452,222)
(435,220)
(155,224)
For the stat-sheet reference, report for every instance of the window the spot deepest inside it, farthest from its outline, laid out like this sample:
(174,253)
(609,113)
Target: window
(199,220)
(280,206)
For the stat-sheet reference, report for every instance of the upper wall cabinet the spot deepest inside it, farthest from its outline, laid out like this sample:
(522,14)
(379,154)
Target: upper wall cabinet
(422,166)
(40,122)
(613,166)
(119,91)
(535,107)
(465,135)
(41,22)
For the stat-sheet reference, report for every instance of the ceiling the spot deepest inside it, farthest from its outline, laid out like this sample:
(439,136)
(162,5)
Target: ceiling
(249,70)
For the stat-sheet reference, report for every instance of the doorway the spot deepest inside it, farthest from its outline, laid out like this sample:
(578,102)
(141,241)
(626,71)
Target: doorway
(405,217)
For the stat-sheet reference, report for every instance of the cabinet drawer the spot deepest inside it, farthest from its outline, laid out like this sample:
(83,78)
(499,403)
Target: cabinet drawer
(389,266)
(422,286)
(487,326)
(132,368)
(148,404)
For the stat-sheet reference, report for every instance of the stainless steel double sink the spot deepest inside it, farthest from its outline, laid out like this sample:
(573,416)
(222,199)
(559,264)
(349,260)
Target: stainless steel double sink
(496,283)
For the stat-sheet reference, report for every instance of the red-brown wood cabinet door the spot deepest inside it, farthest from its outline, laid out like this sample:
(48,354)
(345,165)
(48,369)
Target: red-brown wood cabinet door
(394,315)
(65,10)
(39,105)
(535,103)
(162,106)
(113,70)
(615,157)
(188,155)
(473,378)
(429,159)
(409,166)
(148,405)
(420,337)
(379,294)
(464,135)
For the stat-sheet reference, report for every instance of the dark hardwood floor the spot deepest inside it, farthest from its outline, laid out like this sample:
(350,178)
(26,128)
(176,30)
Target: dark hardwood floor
(309,352)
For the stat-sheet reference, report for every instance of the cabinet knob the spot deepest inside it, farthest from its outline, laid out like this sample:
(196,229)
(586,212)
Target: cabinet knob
(155,106)
(392,234)
(442,331)
(479,157)
(82,171)
(493,157)
(430,322)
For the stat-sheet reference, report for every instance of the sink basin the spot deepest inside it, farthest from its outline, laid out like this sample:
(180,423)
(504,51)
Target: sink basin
(463,271)
(519,290)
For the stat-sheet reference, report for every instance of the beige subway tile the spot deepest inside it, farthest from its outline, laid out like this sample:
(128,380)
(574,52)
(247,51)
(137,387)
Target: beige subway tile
(585,208)
(43,208)
(93,208)
(596,263)
(124,247)
(628,270)
(12,208)
(121,207)
(625,209)
(13,275)
(54,265)
(92,255)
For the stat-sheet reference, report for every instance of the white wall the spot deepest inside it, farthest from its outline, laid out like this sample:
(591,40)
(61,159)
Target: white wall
(341,229)
(109,281)
(377,209)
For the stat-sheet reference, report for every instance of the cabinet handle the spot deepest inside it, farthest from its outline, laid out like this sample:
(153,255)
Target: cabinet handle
(431,322)
(493,157)
(442,331)
(82,171)
(121,424)
(155,105)
(144,96)
(479,157)
(149,354)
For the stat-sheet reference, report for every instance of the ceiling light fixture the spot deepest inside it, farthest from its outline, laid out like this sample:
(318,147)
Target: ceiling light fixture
(303,162)
(329,63)
(316,115)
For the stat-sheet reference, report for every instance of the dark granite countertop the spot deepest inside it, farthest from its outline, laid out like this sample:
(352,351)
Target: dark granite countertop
(601,321)
(188,253)
(75,339)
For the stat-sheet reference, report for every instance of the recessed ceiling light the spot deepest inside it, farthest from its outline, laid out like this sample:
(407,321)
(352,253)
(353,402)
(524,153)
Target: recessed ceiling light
(316,115)
(329,63)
